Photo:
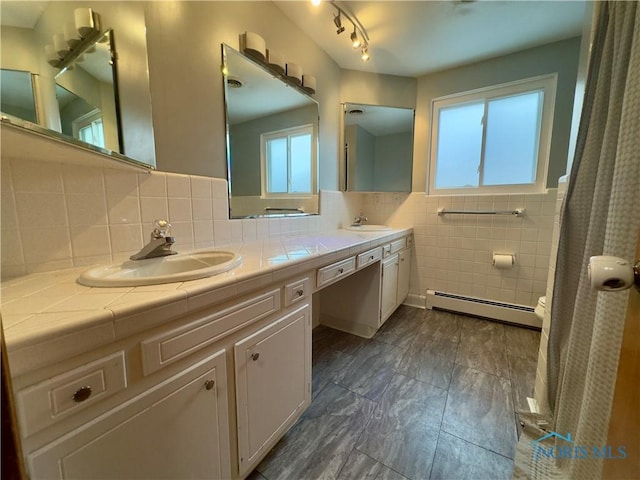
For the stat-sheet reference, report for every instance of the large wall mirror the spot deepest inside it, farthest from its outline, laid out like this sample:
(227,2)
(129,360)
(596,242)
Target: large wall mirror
(378,148)
(272,142)
(62,83)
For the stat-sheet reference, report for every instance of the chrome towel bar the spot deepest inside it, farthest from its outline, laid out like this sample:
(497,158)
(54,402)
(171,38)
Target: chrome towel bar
(518,212)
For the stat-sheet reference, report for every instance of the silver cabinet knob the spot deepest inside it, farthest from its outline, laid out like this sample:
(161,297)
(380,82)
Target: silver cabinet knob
(371,257)
(209,384)
(82,394)
(341,270)
(255,356)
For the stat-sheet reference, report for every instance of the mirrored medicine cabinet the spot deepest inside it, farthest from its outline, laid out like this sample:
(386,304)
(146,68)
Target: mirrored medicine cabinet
(378,148)
(272,141)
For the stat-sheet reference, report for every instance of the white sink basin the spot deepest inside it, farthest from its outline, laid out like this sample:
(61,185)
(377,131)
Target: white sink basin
(368,228)
(152,271)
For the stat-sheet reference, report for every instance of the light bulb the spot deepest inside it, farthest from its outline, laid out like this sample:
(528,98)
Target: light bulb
(315,3)
(355,41)
(365,55)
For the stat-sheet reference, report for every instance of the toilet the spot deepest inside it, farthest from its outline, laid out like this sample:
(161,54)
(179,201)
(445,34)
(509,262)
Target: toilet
(539,310)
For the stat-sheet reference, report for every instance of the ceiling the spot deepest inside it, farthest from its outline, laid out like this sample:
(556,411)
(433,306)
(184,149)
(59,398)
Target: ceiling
(420,37)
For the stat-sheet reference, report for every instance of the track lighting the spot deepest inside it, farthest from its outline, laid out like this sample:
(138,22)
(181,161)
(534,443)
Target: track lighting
(359,37)
(355,41)
(338,22)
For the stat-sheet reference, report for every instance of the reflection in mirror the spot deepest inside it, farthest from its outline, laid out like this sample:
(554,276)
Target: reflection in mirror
(378,148)
(16,95)
(73,82)
(272,142)
(87,99)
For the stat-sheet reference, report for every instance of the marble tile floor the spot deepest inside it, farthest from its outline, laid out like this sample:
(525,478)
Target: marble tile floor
(432,395)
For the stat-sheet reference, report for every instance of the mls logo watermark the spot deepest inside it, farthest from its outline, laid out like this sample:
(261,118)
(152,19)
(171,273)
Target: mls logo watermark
(566,447)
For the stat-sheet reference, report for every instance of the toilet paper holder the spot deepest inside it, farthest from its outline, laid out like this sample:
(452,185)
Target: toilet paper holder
(612,274)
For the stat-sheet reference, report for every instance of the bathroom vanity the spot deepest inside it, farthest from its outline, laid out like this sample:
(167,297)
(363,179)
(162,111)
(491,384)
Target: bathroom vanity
(199,378)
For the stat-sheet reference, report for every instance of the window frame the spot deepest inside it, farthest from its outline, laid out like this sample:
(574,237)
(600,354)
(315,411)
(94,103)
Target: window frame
(546,83)
(286,133)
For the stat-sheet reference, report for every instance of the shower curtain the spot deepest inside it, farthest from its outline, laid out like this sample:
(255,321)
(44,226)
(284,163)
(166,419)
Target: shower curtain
(600,216)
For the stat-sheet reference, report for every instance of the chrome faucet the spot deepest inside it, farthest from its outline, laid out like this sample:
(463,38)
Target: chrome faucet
(359,220)
(160,243)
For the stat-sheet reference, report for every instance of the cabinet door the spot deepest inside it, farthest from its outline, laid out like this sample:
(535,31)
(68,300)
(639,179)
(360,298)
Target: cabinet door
(177,429)
(389,293)
(273,383)
(404,270)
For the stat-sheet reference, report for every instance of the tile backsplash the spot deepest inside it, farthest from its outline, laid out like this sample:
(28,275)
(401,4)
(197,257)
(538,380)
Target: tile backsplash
(57,215)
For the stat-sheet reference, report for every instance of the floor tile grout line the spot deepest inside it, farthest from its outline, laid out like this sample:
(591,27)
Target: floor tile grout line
(475,444)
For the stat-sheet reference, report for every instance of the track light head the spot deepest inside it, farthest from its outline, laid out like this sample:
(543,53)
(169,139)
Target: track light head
(365,54)
(355,41)
(337,20)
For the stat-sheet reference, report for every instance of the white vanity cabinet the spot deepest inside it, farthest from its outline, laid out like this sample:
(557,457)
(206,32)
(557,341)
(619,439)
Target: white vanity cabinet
(177,429)
(273,383)
(404,274)
(396,271)
(204,396)
(389,287)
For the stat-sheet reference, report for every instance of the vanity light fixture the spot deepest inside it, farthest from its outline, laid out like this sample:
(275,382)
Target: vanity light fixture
(359,37)
(78,38)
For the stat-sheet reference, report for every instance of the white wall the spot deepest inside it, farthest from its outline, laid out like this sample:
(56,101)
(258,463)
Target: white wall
(184,43)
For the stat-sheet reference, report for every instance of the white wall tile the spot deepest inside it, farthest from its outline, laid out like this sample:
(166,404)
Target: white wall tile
(153,208)
(123,210)
(127,238)
(40,177)
(83,180)
(178,186)
(89,241)
(86,210)
(180,210)
(120,183)
(200,187)
(152,184)
(40,209)
(41,245)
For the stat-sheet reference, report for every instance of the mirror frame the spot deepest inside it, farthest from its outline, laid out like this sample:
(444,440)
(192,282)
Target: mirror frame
(287,82)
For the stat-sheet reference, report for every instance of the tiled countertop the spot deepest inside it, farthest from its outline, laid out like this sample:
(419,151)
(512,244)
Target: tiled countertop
(51,313)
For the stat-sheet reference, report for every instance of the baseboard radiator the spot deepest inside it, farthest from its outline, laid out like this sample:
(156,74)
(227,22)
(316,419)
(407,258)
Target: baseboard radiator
(505,312)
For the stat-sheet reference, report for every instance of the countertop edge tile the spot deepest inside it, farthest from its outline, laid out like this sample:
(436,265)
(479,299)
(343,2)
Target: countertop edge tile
(35,356)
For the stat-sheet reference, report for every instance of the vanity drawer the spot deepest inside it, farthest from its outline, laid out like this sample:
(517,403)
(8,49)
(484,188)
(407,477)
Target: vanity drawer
(296,291)
(46,403)
(398,245)
(175,344)
(368,257)
(335,271)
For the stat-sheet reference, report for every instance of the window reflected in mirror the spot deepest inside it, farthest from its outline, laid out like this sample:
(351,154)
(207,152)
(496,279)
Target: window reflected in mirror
(378,148)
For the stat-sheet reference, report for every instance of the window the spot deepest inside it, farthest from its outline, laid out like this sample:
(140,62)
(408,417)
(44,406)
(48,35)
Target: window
(288,161)
(89,128)
(494,139)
